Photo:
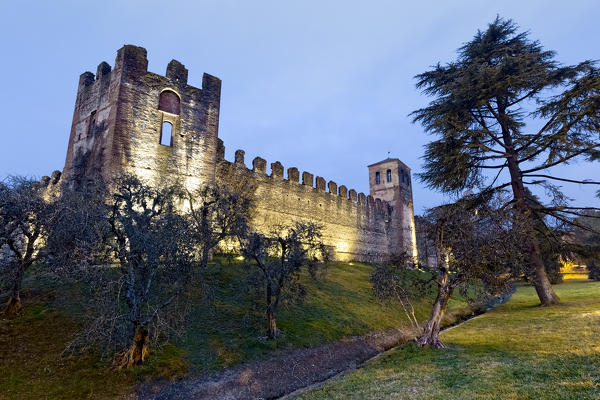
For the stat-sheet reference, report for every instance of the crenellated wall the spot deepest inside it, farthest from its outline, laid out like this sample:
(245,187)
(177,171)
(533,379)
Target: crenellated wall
(119,124)
(355,226)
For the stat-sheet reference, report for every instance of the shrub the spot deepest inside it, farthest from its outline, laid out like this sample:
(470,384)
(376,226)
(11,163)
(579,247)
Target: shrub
(594,271)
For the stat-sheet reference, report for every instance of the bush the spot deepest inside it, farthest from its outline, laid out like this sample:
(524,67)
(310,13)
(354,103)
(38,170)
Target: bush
(553,269)
(594,271)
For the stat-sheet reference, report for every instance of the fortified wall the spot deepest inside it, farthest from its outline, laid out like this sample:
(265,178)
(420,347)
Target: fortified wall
(130,120)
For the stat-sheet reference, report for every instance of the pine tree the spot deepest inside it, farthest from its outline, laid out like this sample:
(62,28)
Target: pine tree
(505,104)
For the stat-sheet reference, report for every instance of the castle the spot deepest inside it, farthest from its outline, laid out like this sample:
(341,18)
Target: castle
(127,119)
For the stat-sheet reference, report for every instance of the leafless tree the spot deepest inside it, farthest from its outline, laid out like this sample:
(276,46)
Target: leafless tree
(470,245)
(133,246)
(218,213)
(280,256)
(476,243)
(24,219)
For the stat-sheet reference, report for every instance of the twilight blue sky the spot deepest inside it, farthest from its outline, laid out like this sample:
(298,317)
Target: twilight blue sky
(325,86)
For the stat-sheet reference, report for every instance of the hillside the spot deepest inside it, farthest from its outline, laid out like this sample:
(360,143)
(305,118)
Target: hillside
(224,330)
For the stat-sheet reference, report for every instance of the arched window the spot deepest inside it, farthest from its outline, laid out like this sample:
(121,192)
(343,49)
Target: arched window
(377,178)
(389,175)
(166,134)
(169,102)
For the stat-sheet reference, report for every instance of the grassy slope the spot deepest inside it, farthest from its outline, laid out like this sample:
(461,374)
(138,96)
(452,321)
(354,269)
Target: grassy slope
(517,351)
(342,305)
(222,334)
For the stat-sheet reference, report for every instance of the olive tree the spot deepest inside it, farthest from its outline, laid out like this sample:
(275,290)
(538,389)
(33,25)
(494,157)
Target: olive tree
(218,213)
(470,246)
(279,258)
(24,219)
(131,243)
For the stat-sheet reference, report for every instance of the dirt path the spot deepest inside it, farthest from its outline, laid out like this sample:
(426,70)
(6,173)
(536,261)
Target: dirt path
(289,371)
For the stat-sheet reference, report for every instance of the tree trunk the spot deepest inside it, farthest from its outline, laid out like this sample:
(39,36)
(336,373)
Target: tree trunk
(271,324)
(542,284)
(137,352)
(205,258)
(272,328)
(13,307)
(431,332)
(540,279)
(536,264)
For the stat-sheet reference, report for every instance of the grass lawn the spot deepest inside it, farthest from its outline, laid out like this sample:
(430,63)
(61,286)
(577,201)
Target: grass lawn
(517,351)
(223,332)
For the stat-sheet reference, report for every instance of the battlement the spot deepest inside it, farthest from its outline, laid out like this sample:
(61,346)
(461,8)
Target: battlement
(131,63)
(319,184)
(127,118)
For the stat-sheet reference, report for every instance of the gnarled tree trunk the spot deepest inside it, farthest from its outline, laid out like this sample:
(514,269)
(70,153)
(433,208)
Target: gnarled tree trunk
(431,331)
(272,325)
(13,306)
(137,352)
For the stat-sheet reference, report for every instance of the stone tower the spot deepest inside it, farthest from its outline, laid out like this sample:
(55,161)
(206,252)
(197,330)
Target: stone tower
(389,180)
(127,119)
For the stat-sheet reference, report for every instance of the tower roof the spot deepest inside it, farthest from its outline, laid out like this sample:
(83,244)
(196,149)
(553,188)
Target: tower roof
(388,160)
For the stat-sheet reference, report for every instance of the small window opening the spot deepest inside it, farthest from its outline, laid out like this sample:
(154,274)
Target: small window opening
(377,178)
(389,175)
(91,123)
(166,134)
(169,102)
(404,177)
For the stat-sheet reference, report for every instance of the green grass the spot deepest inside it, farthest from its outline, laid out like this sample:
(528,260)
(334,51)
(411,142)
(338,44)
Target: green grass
(32,367)
(224,331)
(517,351)
(339,306)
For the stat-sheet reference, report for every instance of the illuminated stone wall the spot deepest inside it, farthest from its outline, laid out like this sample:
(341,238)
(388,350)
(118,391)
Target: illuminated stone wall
(354,225)
(117,122)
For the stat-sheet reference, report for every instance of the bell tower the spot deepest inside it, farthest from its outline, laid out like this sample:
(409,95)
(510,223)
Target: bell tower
(390,181)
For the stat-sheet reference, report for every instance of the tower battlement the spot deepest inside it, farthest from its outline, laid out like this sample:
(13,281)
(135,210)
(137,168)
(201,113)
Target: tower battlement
(129,119)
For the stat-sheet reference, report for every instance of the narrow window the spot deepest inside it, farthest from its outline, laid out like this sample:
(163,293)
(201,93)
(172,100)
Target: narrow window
(389,175)
(165,134)
(91,124)
(377,178)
